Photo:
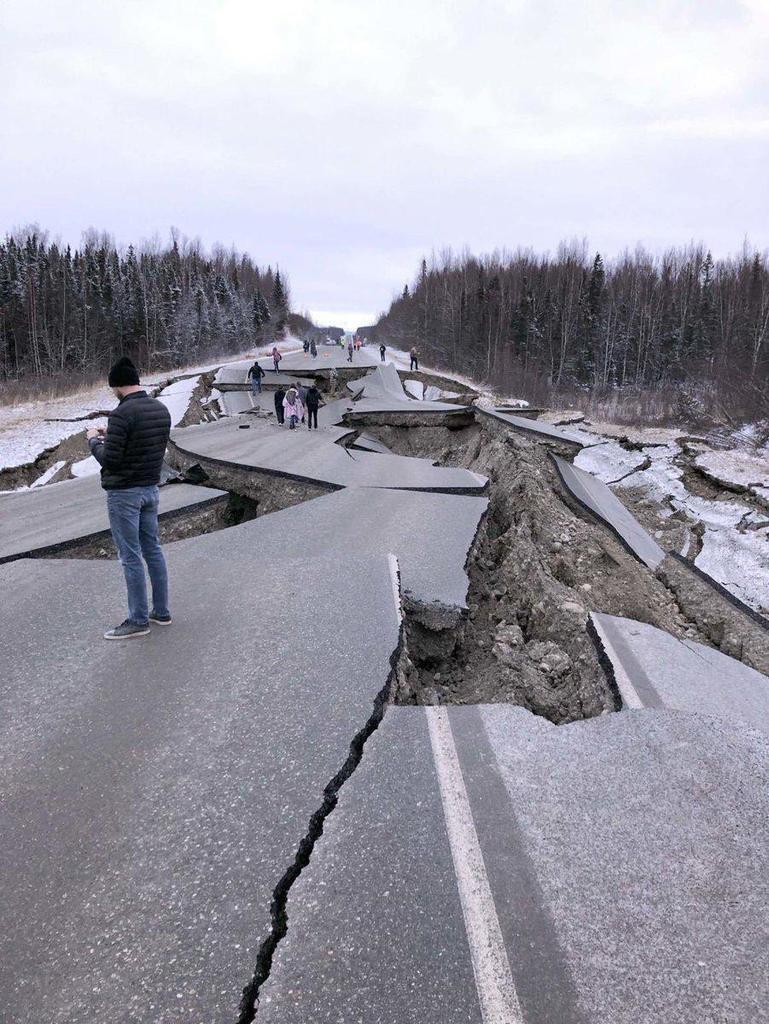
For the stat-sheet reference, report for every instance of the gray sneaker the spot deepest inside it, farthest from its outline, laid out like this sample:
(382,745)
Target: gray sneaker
(161,620)
(127,631)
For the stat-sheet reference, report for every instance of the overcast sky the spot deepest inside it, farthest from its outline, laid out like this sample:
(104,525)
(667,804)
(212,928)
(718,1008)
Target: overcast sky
(343,140)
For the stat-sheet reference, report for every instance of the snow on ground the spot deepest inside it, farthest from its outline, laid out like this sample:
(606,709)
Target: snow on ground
(176,398)
(662,480)
(738,561)
(734,556)
(25,434)
(736,468)
(85,467)
(609,462)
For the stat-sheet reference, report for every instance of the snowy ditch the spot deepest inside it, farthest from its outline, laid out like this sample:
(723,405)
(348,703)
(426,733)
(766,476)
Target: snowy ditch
(726,534)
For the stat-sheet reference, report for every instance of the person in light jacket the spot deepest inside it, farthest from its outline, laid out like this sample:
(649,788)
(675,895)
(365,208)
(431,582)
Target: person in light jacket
(276,357)
(292,407)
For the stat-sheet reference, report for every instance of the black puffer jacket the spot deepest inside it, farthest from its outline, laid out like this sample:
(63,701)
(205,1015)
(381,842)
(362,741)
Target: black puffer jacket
(131,454)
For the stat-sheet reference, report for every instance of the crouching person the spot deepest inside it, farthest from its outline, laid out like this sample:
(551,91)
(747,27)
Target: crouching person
(131,456)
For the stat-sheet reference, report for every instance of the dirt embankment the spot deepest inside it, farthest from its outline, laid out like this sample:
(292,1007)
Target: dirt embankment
(536,571)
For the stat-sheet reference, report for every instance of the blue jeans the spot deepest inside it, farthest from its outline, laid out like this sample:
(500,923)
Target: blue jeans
(256,385)
(133,519)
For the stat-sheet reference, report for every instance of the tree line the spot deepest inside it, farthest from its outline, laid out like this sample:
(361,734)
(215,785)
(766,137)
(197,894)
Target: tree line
(65,311)
(547,325)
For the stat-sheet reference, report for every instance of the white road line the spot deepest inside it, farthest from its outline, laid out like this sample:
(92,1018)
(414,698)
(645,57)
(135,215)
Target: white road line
(626,689)
(493,979)
(395,575)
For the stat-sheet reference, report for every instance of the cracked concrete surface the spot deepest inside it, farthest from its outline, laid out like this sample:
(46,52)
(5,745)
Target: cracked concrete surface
(192,812)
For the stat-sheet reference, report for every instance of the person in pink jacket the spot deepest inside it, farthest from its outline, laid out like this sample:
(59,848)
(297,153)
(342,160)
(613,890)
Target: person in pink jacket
(276,357)
(294,410)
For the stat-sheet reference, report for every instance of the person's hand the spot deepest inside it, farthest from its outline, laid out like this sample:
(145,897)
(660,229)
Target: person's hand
(92,432)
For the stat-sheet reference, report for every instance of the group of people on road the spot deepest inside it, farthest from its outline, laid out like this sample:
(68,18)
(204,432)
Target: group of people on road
(294,405)
(413,356)
(310,346)
(297,405)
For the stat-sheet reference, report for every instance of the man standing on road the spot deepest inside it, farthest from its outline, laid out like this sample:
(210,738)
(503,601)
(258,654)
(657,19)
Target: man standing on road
(276,357)
(255,374)
(414,359)
(349,350)
(131,455)
(382,350)
(312,401)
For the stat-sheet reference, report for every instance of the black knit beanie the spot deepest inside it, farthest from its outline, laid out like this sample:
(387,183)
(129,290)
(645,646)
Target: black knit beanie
(123,374)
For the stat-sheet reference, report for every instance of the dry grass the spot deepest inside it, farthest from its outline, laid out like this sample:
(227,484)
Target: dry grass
(32,389)
(662,407)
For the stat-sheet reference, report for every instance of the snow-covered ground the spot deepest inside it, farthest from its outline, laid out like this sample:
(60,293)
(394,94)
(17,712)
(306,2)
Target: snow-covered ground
(609,462)
(176,397)
(85,467)
(735,536)
(25,431)
(737,469)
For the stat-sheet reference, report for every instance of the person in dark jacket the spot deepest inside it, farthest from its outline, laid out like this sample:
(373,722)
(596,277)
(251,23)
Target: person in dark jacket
(280,394)
(255,374)
(312,401)
(131,453)
(382,351)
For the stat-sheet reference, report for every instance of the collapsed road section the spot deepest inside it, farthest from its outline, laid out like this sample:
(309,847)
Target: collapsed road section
(249,816)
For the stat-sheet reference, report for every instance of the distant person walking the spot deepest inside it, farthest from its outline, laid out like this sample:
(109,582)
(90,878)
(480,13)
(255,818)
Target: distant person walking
(349,350)
(382,350)
(280,394)
(414,359)
(255,374)
(313,349)
(292,405)
(313,401)
(276,357)
(131,453)
(306,346)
